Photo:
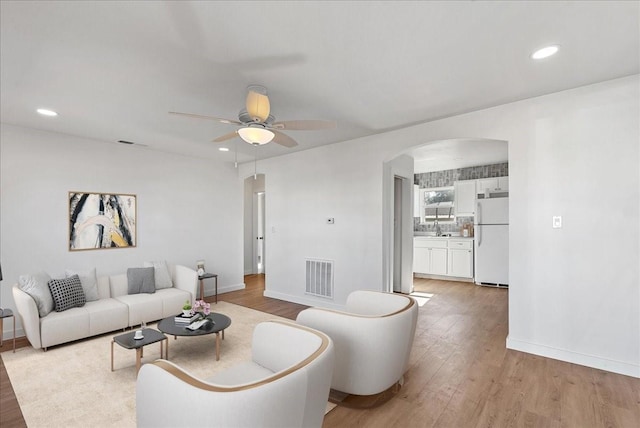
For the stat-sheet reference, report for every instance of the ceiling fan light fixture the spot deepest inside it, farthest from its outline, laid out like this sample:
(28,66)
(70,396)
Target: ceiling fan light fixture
(256,135)
(258,105)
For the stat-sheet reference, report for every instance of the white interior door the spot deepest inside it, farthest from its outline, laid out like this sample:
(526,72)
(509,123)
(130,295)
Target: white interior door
(258,232)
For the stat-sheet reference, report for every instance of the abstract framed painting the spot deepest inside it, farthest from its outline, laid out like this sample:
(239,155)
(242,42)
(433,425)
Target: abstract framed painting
(101,220)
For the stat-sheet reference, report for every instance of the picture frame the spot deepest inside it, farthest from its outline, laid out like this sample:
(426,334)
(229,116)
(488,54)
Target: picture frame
(102,220)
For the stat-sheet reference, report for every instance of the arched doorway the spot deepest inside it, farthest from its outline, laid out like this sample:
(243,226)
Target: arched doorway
(449,156)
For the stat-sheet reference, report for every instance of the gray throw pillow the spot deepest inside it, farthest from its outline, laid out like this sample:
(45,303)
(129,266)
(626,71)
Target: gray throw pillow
(162,276)
(67,293)
(141,280)
(89,282)
(36,286)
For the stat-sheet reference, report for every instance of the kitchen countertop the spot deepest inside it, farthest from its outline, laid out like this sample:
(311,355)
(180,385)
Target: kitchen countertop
(418,235)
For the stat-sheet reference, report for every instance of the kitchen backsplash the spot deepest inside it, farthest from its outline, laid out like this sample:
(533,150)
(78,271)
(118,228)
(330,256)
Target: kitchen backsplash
(427,180)
(445,227)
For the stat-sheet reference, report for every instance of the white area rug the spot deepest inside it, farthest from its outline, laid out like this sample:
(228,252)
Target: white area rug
(72,385)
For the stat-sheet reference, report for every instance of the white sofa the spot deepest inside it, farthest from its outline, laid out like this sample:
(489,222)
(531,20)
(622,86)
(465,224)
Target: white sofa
(285,384)
(115,309)
(373,339)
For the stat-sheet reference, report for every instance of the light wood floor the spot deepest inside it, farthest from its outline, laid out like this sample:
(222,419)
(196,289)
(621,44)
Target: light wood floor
(461,374)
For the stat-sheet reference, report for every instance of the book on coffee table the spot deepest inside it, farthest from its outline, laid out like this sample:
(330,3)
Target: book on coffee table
(186,320)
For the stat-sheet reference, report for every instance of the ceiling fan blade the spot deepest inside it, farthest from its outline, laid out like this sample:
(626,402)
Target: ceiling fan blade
(283,140)
(258,105)
(226,137)
(200,116)
(305,125)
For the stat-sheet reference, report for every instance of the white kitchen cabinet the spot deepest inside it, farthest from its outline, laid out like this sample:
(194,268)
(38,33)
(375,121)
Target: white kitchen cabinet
(465,198)
(421,259)
(495,184)
(439,261)
(430,256)
(443,257)
(460,258)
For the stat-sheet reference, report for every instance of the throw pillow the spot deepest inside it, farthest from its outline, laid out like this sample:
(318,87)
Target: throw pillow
(67,293)
(162,276)
(89,282)
(36,286)
(141,280)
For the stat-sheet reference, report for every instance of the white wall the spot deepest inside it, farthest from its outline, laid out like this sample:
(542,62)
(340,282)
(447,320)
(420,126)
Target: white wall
(305,188)
(574,292)
(188,208)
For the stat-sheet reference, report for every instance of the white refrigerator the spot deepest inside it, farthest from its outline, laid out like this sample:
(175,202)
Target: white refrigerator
(491,243)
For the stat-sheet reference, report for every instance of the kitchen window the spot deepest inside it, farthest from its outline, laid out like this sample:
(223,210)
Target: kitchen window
(437,204)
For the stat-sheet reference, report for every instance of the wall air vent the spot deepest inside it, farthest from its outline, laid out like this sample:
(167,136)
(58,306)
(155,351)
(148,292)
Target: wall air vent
(319,278)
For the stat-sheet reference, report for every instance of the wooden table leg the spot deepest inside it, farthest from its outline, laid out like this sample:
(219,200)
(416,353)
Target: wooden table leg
(14,334)
(217,346)
(166,351)
(112,355)
(138,359)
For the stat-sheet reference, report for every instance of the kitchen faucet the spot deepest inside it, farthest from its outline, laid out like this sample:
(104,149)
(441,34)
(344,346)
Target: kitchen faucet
(438,229)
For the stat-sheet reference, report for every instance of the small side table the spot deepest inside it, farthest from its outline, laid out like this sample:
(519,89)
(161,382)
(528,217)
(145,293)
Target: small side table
(207,276)
(6,313)
(150,336)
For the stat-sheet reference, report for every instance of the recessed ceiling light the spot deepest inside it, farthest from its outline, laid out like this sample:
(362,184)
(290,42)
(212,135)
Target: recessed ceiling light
(545,52)
(45,112)
(223,149)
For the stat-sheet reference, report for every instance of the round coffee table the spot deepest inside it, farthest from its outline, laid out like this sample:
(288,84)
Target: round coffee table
(219,324)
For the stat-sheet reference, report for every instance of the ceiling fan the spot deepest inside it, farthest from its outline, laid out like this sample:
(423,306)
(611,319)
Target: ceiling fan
(258,126)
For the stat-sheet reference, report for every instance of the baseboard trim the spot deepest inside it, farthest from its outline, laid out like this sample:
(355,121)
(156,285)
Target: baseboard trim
(316,302)
(592,361)
(7,335)
(224,289)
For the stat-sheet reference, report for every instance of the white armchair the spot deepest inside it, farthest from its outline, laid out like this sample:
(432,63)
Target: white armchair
(372,337)
(286,384)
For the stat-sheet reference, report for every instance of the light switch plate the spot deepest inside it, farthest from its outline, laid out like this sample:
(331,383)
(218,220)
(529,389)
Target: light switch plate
(557,221)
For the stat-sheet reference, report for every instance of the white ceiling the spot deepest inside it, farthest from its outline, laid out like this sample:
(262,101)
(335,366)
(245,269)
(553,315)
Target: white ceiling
(112,70)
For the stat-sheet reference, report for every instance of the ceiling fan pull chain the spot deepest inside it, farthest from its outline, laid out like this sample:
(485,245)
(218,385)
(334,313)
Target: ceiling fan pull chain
(255,161)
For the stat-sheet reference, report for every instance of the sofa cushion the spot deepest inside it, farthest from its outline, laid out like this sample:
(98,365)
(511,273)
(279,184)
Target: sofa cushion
(142,307)
(36,286)
(162,275)
(106,315)
(67,293)
(172,300)
(141,280)
(89,282)
(61,327)
(118,285)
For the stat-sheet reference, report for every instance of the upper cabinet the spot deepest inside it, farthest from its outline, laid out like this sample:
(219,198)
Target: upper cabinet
(496,184)
(465,198)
